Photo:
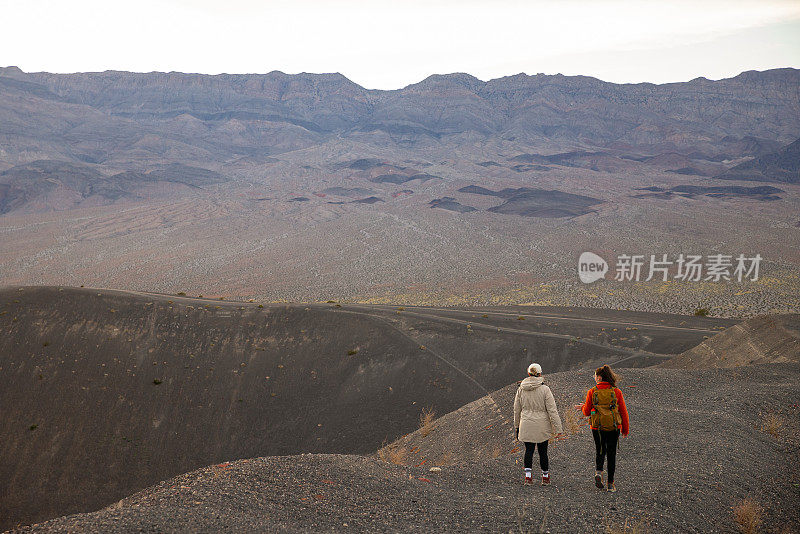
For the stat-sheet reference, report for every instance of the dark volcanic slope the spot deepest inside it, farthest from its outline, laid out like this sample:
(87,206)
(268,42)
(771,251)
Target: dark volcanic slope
(85,423)
(675,472)
(534,202)
(450,204)
(764,193)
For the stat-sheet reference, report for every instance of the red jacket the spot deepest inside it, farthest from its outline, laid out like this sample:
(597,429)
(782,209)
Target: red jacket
(623,411)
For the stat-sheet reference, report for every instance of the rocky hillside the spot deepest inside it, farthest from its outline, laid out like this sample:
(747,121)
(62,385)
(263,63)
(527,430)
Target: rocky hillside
(106,392)
(675,472)
(764,339)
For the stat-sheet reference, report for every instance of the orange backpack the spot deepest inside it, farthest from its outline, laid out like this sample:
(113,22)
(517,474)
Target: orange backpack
(605,413)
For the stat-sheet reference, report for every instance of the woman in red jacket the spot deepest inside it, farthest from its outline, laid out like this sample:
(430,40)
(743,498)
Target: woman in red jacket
(606,408)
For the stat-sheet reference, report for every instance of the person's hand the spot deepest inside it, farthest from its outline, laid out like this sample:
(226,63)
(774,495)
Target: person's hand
(578,406)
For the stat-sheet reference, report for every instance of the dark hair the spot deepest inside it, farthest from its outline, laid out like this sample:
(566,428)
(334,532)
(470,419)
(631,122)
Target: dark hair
(607,375)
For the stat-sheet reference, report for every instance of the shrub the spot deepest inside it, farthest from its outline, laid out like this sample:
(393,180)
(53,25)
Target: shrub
(772,424)
(392,454)
(573,421)
(748,516)
(181,294)
(352,352)
(156,381)
(701,312)
(426,421)
(260,305)
(398,455)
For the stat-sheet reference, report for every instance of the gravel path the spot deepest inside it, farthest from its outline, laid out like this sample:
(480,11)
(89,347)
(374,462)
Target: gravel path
(681,472)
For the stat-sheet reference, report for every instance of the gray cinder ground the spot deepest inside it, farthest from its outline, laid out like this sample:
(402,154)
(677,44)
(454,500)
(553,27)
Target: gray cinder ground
(696,449)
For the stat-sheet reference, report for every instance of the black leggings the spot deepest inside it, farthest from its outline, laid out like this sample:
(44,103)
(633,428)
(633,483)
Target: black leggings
(544,463)
(605,444)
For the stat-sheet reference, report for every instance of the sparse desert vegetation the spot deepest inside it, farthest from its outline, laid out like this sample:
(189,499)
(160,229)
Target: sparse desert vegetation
(749,516)
(574,421)
(426,419)
(394,454)
(773,423)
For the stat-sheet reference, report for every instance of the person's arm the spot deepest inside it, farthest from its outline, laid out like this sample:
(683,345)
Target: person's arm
(587,406)
(552,412)
(623,411)
(517,413)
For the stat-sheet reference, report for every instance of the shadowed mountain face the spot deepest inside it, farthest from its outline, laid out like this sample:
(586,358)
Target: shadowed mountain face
(780,166)
(105,392)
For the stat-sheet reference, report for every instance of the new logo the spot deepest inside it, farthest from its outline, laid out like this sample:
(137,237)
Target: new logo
(591,267)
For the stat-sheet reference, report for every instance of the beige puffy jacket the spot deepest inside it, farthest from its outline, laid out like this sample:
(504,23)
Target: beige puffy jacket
(535,412)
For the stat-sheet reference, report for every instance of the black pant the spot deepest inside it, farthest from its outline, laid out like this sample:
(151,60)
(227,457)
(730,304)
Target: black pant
(605,444)
(544,462)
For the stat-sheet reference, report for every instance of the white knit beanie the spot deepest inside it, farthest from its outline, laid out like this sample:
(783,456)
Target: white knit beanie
(534,369)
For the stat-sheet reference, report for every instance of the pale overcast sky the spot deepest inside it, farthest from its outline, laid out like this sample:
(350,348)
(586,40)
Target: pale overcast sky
(387,45)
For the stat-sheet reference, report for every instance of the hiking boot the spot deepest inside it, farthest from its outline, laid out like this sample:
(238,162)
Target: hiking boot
(611,487)
(598,480)
(546,480)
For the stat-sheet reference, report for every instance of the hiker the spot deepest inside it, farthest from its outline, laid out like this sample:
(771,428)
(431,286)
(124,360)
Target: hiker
(536,420)
(608,415)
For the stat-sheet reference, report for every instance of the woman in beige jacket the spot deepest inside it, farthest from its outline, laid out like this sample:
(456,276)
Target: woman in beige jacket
(536,420)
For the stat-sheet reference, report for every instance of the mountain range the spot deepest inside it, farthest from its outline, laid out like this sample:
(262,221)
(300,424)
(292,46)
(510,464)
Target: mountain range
(269,185)
(119,117)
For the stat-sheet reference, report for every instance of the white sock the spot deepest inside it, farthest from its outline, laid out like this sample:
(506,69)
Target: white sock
(545,473)
(527,472)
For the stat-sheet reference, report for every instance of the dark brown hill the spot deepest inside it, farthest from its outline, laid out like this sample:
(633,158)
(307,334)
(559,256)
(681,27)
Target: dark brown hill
(105,392)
